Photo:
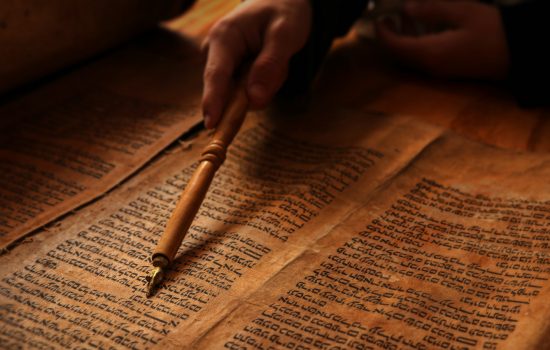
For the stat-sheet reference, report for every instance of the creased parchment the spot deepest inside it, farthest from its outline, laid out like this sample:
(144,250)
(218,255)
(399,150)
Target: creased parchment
(328,231)
(77,137)
(453,253)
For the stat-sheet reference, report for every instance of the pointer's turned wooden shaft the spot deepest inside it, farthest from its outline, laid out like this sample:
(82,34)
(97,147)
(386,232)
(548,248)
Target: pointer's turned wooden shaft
(212,157)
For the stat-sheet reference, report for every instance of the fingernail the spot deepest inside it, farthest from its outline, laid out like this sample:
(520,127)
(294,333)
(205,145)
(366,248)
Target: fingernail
(207,121)
(258,92)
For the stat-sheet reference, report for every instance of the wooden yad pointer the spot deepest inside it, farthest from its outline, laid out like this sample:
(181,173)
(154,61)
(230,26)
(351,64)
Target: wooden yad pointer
(212,157)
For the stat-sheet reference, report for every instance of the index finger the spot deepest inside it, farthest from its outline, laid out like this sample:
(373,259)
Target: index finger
(226,48)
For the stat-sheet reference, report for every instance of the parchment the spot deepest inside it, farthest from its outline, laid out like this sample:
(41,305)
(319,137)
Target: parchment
(452,253)
(332,230)
(38,39)
(77,137)
(287,182)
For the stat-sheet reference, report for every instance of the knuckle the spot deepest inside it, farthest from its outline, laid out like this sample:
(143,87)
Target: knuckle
(215,73)
(269,68)
(269,61)
(280,31)
(271,72)
(280,26)
(220,30)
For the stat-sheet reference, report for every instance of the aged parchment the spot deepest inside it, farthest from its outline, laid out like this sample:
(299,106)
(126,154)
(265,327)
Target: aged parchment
(453,253)
(284,185)
(74,139)
(328,231)
(39,38)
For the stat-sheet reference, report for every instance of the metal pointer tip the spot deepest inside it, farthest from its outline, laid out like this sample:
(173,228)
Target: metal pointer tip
(155,277)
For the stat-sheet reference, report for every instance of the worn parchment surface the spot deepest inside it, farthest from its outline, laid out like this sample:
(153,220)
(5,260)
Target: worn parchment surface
(74,139)
(453,253)
(283,186)
(359,231)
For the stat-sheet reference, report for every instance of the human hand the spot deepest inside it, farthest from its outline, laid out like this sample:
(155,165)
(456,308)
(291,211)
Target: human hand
(473,46)
(269,32)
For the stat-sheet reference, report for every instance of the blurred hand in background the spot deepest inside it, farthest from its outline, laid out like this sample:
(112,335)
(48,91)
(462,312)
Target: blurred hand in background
(472,43)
